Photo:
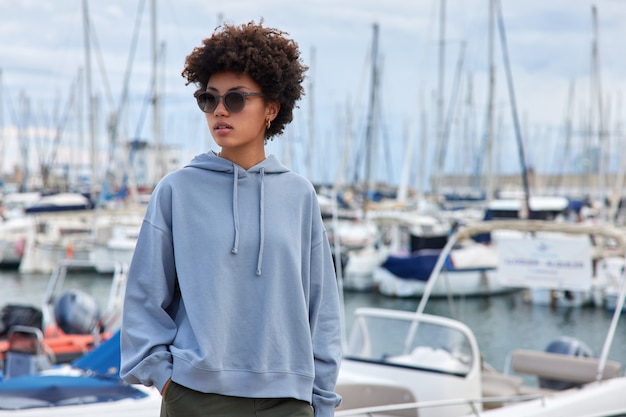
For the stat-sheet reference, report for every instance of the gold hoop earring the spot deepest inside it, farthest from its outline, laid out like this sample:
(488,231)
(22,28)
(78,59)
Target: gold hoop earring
(268,124)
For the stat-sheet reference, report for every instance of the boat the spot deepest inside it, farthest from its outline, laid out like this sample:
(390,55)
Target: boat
(15,226)
(413,363)
(59,202)
(105,236)
(470,270)
(13,235)
(392,230)
(69,323)
(88,386)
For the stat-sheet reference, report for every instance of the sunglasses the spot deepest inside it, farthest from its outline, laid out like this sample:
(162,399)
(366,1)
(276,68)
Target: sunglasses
(234,101)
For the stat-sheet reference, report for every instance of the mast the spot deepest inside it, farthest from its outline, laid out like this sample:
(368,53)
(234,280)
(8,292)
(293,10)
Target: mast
(23,138)
(490,103)
(76,153)
(596,94)
(525,212)
(440,95)
(370,134)
(563,185)
(88,92)
(156,116)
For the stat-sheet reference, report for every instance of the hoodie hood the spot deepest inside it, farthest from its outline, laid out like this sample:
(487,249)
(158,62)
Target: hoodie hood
(210,161)
(270,165)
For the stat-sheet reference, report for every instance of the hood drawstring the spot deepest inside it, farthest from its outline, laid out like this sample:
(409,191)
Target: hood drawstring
(261,223)
(235,248)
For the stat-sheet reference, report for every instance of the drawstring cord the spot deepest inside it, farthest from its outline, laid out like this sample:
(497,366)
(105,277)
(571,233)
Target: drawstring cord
(235,248)
(261,223)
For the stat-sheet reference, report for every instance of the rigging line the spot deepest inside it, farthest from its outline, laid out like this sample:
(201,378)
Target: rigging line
(564,159)
(383,128)
(148,100)
(516,123)
(356,166)
(131,58)
(452,107)
(63,122)
(103,72)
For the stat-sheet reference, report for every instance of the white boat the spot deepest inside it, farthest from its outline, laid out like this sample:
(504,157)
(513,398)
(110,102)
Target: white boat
(15,226)
(473,267)
(612,270)
(115,236)
(411,363)
(59,202)
(13,235)
(55,237)
(102,236)
(390,230)
(470,271)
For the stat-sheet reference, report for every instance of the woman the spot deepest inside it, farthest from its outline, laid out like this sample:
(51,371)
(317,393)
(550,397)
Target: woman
(232,306)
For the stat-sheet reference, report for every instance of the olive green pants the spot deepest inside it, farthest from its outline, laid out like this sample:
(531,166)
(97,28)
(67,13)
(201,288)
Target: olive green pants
(180,401)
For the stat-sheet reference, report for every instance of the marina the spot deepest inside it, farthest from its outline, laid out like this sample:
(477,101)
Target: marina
(456,359)
(496,320)
(451,213)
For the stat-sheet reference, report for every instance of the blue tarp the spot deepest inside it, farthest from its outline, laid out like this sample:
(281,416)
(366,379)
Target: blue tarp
(104,360)
(417,266)
(100,383)
(33,391)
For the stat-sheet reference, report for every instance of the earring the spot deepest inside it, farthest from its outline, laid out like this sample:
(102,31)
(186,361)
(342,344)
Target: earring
(268,123)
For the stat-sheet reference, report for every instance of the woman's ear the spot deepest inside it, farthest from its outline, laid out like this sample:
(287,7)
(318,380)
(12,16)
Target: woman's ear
(273,107)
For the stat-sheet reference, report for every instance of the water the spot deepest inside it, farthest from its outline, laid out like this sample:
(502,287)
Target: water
(500,323)
(504,322)
(30,289)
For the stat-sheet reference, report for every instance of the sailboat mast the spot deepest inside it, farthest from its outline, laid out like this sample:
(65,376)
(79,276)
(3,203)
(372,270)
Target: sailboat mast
(440,95)
(518,131)
(156,116)
(371,119)
(596,95)
(88,92)
(490,103)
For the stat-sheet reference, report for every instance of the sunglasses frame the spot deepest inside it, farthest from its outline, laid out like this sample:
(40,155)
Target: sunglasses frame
(222,98)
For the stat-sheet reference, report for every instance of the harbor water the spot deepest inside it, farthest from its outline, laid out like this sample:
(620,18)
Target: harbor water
(500,322)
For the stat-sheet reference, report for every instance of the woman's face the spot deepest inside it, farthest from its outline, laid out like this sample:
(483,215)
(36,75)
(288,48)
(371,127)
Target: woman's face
(243,131)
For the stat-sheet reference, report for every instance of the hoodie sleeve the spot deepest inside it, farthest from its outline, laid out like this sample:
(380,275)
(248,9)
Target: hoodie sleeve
(147,326)
(325,317)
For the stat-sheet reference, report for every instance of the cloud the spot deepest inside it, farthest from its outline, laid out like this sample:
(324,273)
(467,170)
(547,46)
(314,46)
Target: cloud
(549,45)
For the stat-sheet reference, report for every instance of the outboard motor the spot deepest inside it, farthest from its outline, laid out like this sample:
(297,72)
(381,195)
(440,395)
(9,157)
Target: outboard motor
(77,312)
(570,346)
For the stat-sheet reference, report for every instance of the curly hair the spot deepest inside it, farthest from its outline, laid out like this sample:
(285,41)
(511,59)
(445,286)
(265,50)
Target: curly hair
(265,54)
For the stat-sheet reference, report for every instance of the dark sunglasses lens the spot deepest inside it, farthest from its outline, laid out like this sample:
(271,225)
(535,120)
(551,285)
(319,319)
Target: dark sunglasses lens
(207,102)
(234,101)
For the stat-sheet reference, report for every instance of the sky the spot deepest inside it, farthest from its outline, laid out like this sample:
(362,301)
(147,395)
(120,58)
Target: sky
(555,81)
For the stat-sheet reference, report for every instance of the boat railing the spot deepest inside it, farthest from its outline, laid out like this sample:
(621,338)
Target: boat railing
(472,403)
(607,231)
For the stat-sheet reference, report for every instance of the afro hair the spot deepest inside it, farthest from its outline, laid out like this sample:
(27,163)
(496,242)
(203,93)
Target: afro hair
(265,54)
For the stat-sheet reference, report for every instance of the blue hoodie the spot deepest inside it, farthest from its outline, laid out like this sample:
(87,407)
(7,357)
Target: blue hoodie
(232,288)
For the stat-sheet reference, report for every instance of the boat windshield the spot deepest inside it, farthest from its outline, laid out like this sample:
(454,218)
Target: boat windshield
(432,343)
